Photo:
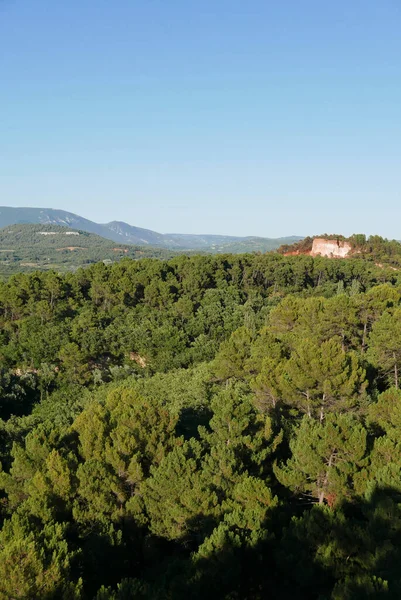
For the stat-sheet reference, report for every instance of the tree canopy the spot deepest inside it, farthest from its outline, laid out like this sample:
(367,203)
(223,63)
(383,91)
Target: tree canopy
(221,426)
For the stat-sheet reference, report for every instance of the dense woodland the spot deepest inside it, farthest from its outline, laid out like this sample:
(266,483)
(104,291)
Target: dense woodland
(225,427)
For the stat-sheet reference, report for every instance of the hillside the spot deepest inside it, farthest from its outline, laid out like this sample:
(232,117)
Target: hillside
(123,233)
(253,244)
(374,248)
(28,247)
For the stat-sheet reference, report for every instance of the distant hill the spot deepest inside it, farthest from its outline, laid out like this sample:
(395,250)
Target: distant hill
(28,247)
(253,244)
(122,233)
(381,251)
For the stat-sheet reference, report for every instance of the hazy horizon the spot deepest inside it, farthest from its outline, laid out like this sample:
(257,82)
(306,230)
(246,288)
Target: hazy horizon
(286,235)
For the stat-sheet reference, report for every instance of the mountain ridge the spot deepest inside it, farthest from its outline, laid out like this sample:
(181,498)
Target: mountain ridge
(121,232)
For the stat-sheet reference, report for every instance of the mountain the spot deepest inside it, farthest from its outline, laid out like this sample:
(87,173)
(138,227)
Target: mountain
(128,234)
(122,233)
(13,216)
(31,247)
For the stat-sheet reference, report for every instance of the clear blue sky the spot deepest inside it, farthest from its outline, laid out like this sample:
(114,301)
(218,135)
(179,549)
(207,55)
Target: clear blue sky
(244,117)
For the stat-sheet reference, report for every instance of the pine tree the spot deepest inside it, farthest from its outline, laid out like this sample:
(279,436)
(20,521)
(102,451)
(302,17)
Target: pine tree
(385,346)
(325,457)
(322,377)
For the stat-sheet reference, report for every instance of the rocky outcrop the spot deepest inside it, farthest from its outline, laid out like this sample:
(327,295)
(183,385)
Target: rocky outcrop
(330,248)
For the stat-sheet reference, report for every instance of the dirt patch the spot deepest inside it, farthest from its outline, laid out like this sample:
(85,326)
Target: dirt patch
(386,267)
(71,248)
(140,360)
(120,250)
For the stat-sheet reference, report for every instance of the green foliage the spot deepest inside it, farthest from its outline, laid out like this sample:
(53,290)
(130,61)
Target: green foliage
(322,377)
(221,426)
(385,345)
(178,498)
(35,563)
(325,457)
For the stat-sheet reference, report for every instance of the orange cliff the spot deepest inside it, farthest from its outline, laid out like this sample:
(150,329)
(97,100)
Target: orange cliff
(330,248)
(334,248)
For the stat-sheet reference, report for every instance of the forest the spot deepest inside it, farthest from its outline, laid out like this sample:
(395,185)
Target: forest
(223,426)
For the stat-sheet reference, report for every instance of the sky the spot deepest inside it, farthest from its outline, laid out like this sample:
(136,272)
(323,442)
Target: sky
(256,117)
